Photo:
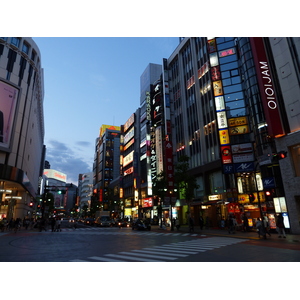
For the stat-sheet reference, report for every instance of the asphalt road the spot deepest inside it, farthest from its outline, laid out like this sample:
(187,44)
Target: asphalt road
(94,244)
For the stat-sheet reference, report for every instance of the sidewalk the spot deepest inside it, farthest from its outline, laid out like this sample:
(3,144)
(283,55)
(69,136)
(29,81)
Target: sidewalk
(224,232)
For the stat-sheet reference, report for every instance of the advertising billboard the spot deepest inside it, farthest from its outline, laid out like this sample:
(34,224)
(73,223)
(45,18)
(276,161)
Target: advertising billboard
(8,105)
(266,86)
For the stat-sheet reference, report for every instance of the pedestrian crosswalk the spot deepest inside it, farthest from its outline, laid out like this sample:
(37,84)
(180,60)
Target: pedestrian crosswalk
(109,231)
(166,252)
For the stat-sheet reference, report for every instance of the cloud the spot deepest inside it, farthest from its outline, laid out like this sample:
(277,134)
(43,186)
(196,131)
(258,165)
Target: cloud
(62,158)
(83,143)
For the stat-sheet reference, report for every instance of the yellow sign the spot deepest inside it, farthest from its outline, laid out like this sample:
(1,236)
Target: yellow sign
(218,90)
(238,130)
(111,127)
(224,137)
(237,121)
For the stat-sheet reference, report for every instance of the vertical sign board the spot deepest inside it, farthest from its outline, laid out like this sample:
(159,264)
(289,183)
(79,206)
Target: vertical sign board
(266,87)
(169,164)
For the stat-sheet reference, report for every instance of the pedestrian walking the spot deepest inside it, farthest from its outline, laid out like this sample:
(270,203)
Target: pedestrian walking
(26,223)
(231,224)
(266,225)
(245,223)
(53,224)
(222,223)
(260,228)
(280,226)
(177,224)
(57,224)
(191,224)
(17,224)
(201,222)
(11,224)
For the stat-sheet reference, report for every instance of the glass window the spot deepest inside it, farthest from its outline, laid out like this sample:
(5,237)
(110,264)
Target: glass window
(226,67)
(232,88)
(227,59)
(225,74)
(15,41)
(25,48)
(236,80)
(225,45)
(234,96)
(226,82)
(235,104)
(33,54)
(234,72)
(3,38)
(233,113)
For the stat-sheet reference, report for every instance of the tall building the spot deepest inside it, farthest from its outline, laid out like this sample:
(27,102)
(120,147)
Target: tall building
(107,165)
(85,190)
(285,54)
(130,158)
(234,110)
(22,150)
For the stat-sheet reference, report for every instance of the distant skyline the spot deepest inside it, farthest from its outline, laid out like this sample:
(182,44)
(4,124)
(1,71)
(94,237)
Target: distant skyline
(89,82)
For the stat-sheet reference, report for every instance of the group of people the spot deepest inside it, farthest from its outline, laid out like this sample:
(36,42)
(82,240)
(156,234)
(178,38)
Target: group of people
(15,224)
(29,223)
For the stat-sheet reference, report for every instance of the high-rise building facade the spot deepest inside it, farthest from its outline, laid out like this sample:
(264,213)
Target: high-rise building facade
(286,64)
(228,113)
(107,165)
(22,150)
(85,190)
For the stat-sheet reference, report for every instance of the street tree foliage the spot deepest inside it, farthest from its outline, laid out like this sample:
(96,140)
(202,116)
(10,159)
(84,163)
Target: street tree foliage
(185,182)
(159,185)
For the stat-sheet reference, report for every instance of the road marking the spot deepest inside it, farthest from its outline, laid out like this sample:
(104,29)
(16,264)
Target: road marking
(104,259)
(170,251)
(149,255)
(157,251)
(132,258)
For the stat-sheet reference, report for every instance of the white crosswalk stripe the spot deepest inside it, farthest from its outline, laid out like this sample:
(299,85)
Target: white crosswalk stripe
(167,252)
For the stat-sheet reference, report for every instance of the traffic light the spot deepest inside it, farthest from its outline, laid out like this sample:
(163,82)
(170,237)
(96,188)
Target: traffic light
(31,204)
(279,155)
(282,154)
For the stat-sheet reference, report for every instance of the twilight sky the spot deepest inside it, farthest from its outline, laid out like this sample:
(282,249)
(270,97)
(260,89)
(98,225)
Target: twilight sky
(88,82)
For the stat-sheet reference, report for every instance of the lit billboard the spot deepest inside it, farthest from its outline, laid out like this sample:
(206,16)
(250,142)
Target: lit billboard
(8,105)
(50,173)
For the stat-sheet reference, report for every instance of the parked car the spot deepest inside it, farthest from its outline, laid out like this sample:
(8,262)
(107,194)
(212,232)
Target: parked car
(89,221)
(104,221)
(139,224)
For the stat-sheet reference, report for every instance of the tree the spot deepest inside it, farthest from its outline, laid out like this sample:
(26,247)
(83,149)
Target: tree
(185,182)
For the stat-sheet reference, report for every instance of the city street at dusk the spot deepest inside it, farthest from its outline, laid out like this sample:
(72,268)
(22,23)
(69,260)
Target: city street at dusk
(94,244)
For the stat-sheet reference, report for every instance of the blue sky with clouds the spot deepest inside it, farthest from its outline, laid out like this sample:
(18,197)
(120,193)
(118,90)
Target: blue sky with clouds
(88,82)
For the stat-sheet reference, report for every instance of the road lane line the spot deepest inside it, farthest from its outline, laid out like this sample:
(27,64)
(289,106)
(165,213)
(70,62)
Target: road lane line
(132,258)
(104,259)
(148,255)
(156,251)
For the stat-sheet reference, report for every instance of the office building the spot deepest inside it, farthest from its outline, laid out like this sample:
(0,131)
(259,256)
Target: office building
(107,166)
(22,150)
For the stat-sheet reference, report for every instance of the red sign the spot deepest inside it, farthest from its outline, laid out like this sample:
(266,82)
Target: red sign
(226,155)
(147,202)
(266,87)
